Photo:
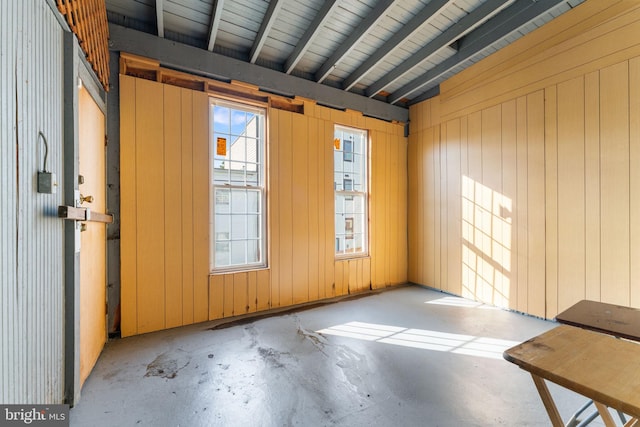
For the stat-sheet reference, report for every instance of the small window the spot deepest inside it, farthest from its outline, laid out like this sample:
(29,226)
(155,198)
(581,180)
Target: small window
(351,191)
(238,186)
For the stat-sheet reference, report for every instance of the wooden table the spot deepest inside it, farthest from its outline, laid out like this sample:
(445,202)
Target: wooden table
(616,320)
(598,366)
(623,322)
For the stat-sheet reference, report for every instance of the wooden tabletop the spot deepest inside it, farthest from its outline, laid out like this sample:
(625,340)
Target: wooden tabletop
(598,366)
(611,319)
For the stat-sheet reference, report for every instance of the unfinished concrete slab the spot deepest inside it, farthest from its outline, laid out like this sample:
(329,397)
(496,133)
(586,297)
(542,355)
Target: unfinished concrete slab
(409,356)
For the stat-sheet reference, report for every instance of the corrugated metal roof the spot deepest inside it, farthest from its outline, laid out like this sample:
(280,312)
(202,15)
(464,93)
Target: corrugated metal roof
(395,51)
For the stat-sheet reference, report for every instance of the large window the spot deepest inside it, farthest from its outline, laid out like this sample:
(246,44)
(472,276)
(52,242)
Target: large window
(238,238)
(350,184)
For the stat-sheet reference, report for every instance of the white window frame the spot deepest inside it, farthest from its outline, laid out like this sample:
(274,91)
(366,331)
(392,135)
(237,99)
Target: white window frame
(232,185)
(349,181)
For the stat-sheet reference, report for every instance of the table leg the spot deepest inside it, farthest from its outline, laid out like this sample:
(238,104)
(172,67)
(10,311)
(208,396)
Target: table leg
(605,415)
(633,422)
(547,400)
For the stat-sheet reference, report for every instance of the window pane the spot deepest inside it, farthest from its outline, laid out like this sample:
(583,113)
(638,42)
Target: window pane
(253,125)
(338,181)
(358,146)
(222,119)
(359,243)
(221,172)
(239,201)
(222,201)
(253,251)
(253,226)
(253,154)
(237,150)
(348,151)
(253,201)
(223,227)
(253,176)
(238,252)
(350,183)
(222,254)
(236,173)
(348,244)
(337,160)
(358,204)
(238,122)
(238,227)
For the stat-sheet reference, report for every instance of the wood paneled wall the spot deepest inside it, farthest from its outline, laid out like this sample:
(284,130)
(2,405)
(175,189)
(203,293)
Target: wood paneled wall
(523,186)
(164,149)
(165,211)
(303,266)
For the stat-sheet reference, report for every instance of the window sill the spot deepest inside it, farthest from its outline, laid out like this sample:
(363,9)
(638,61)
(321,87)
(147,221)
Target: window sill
(349,257)
(239,270)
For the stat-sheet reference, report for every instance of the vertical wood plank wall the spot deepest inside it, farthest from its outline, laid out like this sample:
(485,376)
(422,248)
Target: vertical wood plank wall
(523,177)
(164,206)
(303,266)
(165,212)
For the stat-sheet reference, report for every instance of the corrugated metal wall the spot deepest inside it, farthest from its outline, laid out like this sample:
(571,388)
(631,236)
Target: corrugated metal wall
(31,236)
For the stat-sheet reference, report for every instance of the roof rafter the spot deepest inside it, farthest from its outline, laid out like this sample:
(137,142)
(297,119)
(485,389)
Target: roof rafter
(429,12)
(503,24)
(160,17)
(215,23)
(307,38)
(191,59)
(361,30)
(265,28)
(451,34)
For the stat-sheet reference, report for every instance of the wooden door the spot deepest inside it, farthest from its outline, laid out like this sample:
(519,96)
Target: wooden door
(92,184)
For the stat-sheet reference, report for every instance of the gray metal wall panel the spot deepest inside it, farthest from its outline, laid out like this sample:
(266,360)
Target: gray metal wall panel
(7,196)
(31,235)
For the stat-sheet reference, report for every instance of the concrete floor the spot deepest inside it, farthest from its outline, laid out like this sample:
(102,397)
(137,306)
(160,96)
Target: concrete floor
(404,357)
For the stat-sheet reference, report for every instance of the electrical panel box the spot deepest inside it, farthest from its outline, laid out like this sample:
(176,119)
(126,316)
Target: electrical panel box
(47,183)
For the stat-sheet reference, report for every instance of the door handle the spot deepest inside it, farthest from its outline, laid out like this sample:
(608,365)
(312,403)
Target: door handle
(88,199)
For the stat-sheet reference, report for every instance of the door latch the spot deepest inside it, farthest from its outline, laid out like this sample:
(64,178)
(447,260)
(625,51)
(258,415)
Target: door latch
(83,214)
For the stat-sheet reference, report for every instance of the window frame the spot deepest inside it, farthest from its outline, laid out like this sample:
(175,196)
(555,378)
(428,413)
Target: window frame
(261,186)
(365,193)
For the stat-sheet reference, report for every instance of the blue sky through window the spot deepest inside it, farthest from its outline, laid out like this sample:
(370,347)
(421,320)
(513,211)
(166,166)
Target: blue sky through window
(228,123)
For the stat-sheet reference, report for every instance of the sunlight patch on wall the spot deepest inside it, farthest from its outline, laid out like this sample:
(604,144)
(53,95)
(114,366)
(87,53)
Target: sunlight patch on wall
(486,247)
(423,339)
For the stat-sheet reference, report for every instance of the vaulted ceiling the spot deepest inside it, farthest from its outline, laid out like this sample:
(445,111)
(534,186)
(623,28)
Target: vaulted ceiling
(393,51)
